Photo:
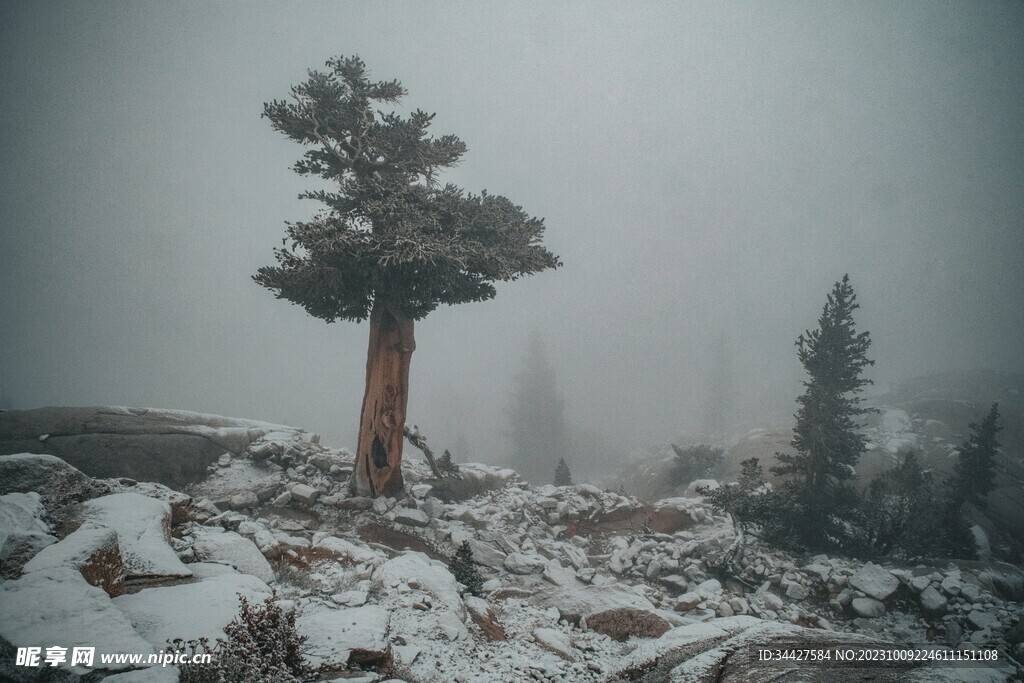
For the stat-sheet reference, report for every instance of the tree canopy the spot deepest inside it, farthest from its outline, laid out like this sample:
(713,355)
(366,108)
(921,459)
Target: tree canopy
(389,232)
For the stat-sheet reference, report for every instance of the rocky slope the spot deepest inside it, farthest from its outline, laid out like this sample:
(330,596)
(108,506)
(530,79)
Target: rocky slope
(580,584)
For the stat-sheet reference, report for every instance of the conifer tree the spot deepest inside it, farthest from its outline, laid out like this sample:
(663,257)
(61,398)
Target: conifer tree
(562,475)
(464,569)
(826,439)
(974,472)
(447,465)
(390,243)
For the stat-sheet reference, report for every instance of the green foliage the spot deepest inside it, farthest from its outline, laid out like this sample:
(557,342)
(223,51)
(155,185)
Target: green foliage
(389,233)
(748,501)
(262,645)
(447,465)
(562,475)
(908,514)
(694,462)
(974,472)
(464,569)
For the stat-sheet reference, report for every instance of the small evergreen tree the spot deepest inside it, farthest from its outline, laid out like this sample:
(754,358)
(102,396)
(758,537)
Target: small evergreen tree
(464,569)
(974,472)
(562,475)
(826,439)
(447,465)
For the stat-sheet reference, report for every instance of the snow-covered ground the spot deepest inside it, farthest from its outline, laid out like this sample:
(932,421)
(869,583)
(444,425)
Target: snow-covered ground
(580,584)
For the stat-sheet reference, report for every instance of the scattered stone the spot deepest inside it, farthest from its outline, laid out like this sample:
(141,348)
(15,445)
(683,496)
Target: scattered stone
(304,494)
(876,581)
(555,641)
(356,503)
(867,607)
(796,591)
(411,516)
(228,547)
(483,616)
(933,603)
(519,563)
(919,583)
(980,620)
(951,586)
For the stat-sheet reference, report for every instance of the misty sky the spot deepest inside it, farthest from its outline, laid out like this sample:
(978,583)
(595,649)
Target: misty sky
(706,172)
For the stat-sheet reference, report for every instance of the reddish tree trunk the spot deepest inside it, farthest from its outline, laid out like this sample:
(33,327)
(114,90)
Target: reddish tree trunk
(378,470)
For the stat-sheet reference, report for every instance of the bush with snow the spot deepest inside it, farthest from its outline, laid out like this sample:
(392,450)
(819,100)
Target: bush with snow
(262,645)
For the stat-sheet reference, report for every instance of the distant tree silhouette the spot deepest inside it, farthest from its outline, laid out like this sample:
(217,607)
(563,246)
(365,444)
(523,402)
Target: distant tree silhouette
(537,428)
(974,472)
(562,475)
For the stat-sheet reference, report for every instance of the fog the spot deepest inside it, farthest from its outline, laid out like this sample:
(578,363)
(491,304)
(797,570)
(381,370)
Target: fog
(706,172)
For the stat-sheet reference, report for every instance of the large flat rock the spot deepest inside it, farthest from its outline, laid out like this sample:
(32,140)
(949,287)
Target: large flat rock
(57,607)
(192,610)
(172,447)
(334,632)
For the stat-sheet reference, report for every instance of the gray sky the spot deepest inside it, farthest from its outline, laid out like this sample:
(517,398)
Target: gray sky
(706,172)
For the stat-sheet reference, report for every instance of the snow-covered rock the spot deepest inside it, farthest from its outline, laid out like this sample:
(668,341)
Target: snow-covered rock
(521,563)
(411,516)
(240,478)
(486,554)
(347,551)
(57,482)
(430,575)
(173,447)
(227,547)
(143,533)
(191,610)
(877,582)
(612,610)
(93,551)
(555,641)
(23,532)
(933,603)
(304,494)
(334,632)
(484,617)
(57,607)
(867,607)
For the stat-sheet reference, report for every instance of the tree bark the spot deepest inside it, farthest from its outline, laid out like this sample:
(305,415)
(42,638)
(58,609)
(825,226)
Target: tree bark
(378,470)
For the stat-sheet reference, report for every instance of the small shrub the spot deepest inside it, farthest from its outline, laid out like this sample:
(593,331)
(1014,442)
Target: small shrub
(262,645)
(465,571)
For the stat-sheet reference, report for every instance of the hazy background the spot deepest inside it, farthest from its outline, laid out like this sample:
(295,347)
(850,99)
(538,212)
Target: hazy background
(706,172)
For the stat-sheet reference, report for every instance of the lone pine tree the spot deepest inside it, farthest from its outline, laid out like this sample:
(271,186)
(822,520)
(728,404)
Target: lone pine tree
(826,439)
(974,472)
(563,477)
(391,243)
